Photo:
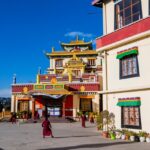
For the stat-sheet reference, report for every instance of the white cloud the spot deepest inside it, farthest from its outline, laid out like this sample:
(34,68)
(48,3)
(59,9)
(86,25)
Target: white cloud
(5,92)
(81,34)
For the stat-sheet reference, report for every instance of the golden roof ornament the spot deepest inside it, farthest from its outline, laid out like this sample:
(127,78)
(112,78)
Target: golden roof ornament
(53,80)
(25,90)
(82,88)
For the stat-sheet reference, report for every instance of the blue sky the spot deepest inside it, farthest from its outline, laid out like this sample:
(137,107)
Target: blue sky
(29,27)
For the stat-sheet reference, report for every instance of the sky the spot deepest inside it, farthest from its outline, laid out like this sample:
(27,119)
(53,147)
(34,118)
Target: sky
(28,28)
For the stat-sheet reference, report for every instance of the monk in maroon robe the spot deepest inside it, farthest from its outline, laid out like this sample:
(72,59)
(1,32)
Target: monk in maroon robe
(47,128)
(13,118)
(83,119)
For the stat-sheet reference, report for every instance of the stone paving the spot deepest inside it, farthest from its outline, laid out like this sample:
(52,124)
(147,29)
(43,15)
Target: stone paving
(68,136)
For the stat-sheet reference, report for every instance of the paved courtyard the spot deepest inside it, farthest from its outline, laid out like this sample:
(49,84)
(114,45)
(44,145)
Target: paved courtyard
(68,136)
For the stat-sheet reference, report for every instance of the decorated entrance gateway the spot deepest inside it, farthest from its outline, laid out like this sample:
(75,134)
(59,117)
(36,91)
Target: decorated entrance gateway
(70,85)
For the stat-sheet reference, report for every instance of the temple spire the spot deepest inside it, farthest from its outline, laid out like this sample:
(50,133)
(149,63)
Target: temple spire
(14,79)
(77,37)
(53,49)
(39,70)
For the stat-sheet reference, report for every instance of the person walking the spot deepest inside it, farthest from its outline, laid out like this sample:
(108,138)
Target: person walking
(47,128)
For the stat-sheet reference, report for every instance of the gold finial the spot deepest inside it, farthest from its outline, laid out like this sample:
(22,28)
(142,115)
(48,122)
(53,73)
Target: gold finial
(53,49)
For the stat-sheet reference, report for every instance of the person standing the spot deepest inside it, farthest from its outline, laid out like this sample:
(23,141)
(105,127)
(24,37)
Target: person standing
(83,119)
(47,128)
(13,118)
(91,118)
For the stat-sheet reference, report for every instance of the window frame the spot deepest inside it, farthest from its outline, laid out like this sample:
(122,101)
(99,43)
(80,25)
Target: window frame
(59,63)
(91,62)
(130,126)
(120,24)
(132,75)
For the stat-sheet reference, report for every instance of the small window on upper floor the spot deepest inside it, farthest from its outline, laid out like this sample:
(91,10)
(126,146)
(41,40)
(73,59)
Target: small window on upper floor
(91,62)
(126,12)
(59,63)
(129,67)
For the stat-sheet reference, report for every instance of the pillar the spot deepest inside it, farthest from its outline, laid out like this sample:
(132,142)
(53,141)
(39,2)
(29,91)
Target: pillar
(16,108)
(63,109)
(33,108)
(12,103)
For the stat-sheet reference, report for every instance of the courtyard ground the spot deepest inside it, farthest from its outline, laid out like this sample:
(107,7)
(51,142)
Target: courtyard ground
(68,136)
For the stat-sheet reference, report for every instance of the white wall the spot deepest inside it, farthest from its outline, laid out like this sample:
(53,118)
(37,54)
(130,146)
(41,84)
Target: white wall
(143,58)
(145,8)
(144,108)
(95,103)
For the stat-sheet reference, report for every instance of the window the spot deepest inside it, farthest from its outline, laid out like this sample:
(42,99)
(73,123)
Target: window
(77,73)
(91,62)
(129,67)
(130,117)
(126,12)
(59,63)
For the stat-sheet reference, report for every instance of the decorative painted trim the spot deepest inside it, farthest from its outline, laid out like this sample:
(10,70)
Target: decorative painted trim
(48,86)
(132,101)
(121,54)
(39,87)
(58,87)
(128,31)
(87,96)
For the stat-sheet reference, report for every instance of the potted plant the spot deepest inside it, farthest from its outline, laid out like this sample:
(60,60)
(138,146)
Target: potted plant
(99,121)
(142,136)
(79,114)
(105,122)
(87,115)
(112,135)
(127,135)
(118,134)
(123,136)
(132,136)
(148,138)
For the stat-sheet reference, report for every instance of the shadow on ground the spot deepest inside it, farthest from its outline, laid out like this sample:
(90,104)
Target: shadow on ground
(88,146)
(75,136)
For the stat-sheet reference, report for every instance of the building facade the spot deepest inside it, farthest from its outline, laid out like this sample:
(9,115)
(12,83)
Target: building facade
(71,84)
(125,50)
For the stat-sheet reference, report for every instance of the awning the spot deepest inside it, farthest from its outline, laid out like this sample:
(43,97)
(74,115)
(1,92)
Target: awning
(132,101)
(47,95)
(130,51)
